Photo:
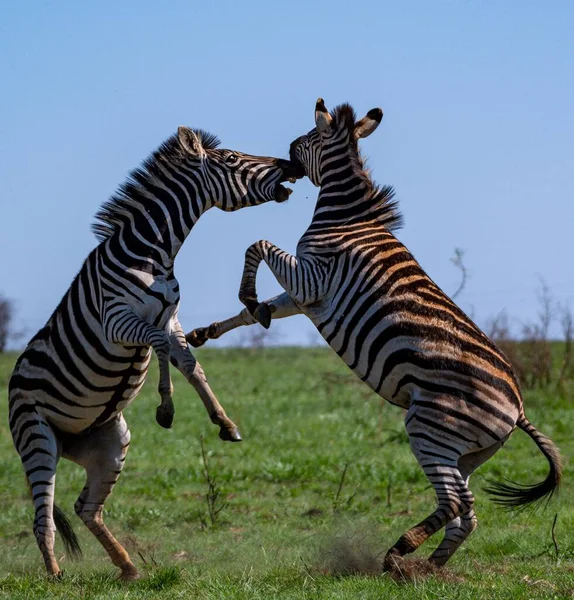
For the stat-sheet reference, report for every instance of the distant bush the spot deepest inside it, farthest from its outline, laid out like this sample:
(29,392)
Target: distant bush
(531,352)
(6,314)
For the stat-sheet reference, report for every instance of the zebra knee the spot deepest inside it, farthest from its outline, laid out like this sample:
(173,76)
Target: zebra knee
(469,522)
(89,513)
(79,508)
(45,532)
(162,346)
(43,525)
(466,502)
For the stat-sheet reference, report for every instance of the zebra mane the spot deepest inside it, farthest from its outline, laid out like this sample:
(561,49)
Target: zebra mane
(344,115)
(384,208)
(109,217)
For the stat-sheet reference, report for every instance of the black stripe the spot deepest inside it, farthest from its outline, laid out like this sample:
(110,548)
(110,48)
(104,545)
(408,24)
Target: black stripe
(436,426)
(445,390)
(443,363)
(425,436)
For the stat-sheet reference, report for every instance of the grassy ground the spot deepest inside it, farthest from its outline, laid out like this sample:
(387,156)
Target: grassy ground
(286,530)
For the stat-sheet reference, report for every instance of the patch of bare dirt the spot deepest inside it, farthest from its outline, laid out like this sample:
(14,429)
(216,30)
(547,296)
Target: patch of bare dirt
(414,570)
(357,552)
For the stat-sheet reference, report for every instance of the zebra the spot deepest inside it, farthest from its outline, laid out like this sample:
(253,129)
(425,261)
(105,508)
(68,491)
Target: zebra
(396,330)
(71,384)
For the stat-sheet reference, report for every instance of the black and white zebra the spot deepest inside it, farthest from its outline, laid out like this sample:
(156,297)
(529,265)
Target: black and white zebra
(80,371)
(394,327)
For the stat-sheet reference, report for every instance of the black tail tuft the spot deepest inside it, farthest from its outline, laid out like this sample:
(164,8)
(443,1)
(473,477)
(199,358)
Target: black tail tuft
(511,495)
(67,534)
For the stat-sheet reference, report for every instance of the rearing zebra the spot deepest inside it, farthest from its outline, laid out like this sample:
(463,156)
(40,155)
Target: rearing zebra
(396,329)
(80,371)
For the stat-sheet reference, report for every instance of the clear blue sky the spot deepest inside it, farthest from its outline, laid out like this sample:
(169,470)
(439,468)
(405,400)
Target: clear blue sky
(477,138)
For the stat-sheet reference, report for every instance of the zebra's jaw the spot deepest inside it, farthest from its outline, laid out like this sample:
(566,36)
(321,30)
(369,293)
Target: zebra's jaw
(282,193)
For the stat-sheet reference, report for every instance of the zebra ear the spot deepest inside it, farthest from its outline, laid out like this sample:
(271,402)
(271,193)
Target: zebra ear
(323,119)
(188,140)
(368,123)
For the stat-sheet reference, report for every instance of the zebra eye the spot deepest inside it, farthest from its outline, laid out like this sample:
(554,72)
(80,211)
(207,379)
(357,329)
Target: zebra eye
(231,158)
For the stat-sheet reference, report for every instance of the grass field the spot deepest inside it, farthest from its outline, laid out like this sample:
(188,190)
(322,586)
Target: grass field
(286,530)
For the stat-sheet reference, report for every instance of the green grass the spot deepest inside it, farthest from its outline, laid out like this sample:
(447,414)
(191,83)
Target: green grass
(283,533)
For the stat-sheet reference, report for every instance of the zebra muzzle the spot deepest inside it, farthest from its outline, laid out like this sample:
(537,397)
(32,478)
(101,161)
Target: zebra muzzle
(282,193)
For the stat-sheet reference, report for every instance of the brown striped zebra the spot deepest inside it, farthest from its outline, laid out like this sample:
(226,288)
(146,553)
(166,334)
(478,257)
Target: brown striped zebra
(394,327)
(87,364)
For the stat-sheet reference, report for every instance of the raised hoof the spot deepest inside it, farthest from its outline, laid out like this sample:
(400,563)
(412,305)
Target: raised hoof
(164,417)
(230,434)
(197,337)
(263,315)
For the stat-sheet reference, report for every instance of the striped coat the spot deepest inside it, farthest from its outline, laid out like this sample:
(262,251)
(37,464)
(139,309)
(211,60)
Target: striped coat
(395,329)
(78,373)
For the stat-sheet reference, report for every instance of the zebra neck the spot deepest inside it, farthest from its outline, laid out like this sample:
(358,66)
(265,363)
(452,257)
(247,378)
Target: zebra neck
(342,199)
(155,230)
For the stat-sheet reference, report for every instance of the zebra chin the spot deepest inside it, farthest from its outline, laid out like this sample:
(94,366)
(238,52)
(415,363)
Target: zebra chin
(282,193)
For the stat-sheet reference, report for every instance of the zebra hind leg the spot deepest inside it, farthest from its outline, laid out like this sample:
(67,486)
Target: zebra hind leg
(39,450)
(439,460)
(102,453)
(455,503)
(460,528)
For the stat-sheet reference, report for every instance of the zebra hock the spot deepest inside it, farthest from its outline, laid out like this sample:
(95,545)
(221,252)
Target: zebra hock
(395,328)
(79,372)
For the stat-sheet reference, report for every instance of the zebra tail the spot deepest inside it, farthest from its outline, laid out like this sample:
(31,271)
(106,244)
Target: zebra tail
(66,531)
(511,495)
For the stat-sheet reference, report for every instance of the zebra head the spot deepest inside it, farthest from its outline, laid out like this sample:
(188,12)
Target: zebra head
(333,134)
(233,179)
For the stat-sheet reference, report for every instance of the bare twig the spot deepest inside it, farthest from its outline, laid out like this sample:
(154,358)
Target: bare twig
(213,496)
(554,535)
(256,337)
(546,307)
(567,322)
(307,569)
(338,502)
(458,261)
(341,482)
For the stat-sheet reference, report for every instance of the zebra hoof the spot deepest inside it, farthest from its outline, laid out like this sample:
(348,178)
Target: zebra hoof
(263,315)
(129,575)
(230,435)
(197,337)
(164,417)
(392,561)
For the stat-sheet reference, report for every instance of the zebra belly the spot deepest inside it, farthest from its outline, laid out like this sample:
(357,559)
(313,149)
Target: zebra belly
(406,384)
(354,353)
(366,351)
(73,404)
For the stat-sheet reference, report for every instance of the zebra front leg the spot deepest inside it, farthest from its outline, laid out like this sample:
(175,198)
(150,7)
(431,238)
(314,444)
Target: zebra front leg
(187,364)
(302,278)
(125,327)
(102,453)
(280,307)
